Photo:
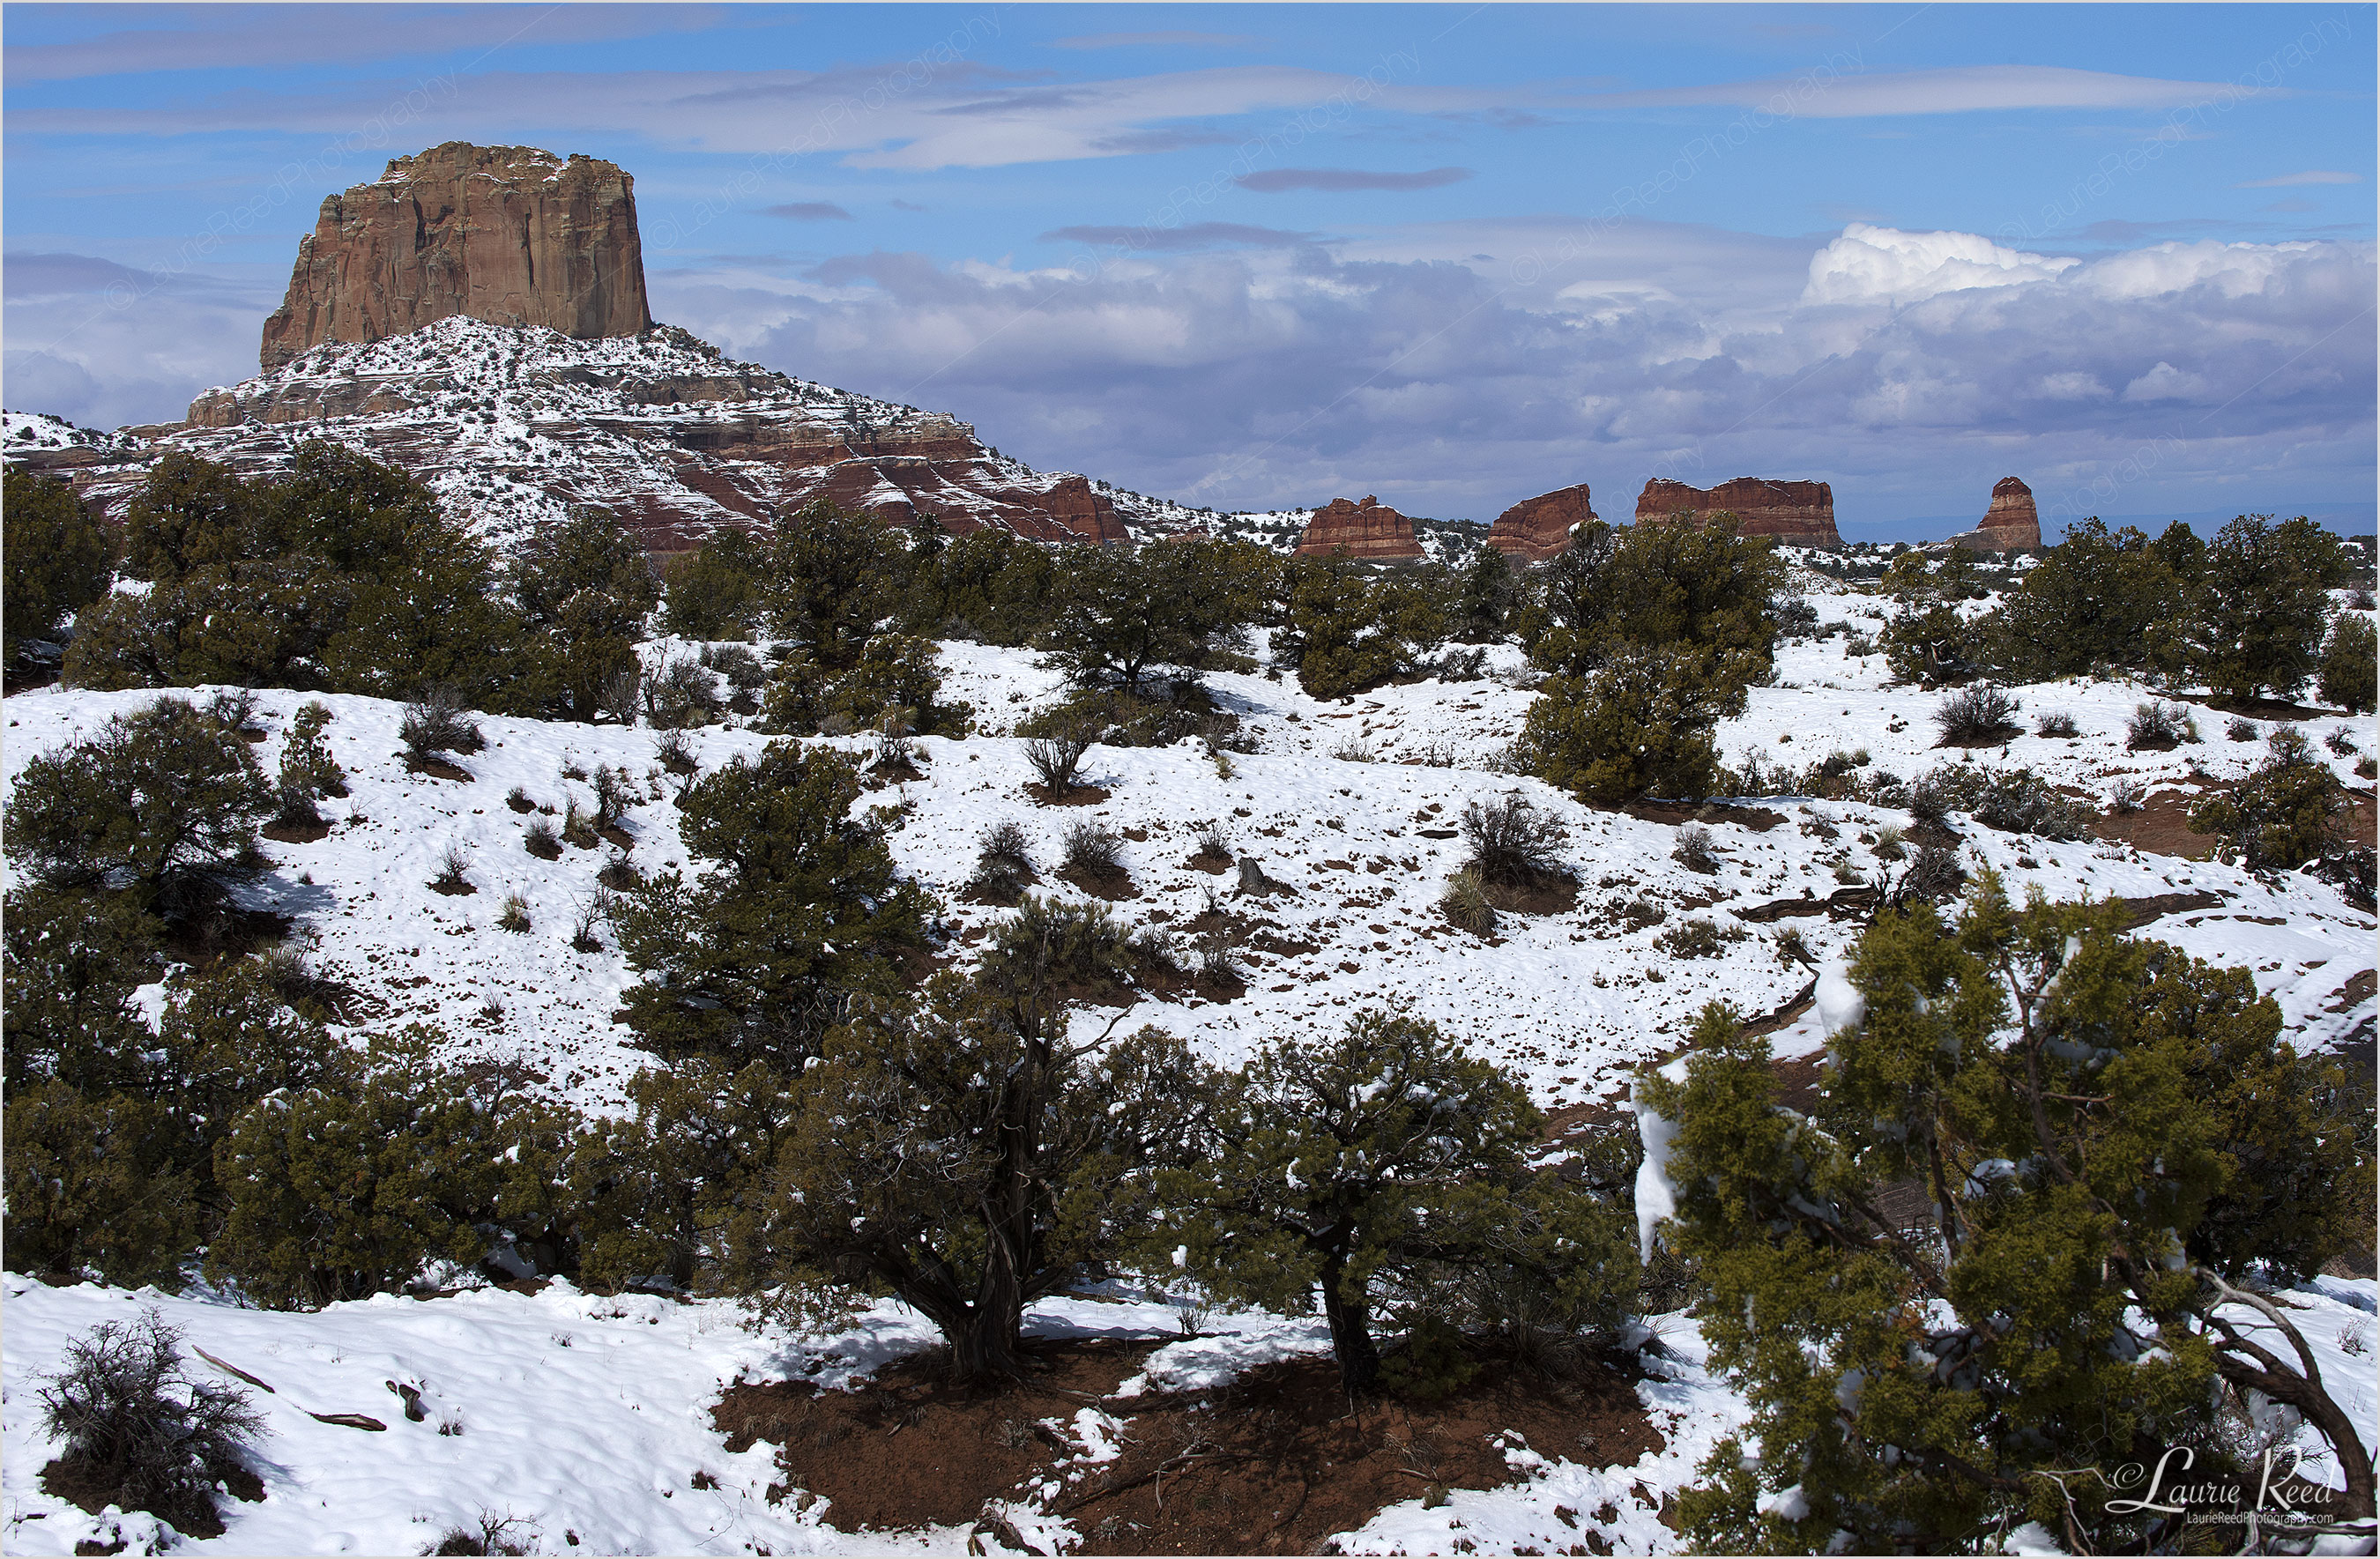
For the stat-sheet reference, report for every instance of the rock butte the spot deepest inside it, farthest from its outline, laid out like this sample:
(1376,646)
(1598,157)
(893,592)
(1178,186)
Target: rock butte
(1540,528)
(2010,524)
(1370,529)
(476,317)
(506,234)
(1799,512)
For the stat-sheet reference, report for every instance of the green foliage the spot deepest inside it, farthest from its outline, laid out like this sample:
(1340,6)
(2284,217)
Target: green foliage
(359,1183)
(73,961)
(896,679)
(92,1187)
(162,803)
(1126,611)
(714,592)
(225,1040)
(247,624)
(657,1190)
(955,1152)
(751,961)
(190,514)
(53,557)
(2350,665)
(1485,592)
(1689,583)
(307,770)
(1638,724)
(831,577)
(1348,631)
(990,584)
(2288,810)
(2098,599)
(584,589)
(2104,1132)
(1387,1170)
(2258,619)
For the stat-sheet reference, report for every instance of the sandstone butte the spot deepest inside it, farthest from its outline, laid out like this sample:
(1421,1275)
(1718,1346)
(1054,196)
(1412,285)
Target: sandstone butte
(1370,529)
(2010,524)
(1800,513)
(506,234)
(1540,528)
(417,329)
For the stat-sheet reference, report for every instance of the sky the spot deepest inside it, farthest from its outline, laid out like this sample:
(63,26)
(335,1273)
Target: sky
(1262,256)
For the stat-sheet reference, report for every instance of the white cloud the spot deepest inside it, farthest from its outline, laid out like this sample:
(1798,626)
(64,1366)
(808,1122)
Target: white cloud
(1871,264)
(1827,92)
(2166,382)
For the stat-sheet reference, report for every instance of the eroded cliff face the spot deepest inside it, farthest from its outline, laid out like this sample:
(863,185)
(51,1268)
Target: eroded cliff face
(1370,529)
(1538,529)
(1802,513)
(508,235)
(2012,524)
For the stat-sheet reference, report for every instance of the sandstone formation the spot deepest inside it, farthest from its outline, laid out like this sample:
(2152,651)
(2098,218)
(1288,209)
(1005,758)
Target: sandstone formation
(506,234)
(1370,529)
(1538,529)
(1799,514)
(2011,525)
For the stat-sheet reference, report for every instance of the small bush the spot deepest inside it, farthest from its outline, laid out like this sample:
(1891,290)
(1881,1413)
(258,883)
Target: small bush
(680,694)
(515,914)
(1933,876)
(1790,947)
(2159,725)
(307,770)
(2056,722)
(1697,938)
(135,1424)
(454,871)
(583,922)
(2288,812)
(614,793)
(437,726)
(619,876)
(1093,848)
(1694,851)
(540,840)
(1889,843)
(1056,758)
(1213,845)
(674,753)
(2342,745)
(2128,797)
(1217,959)
(577,827)
(490,1534)
(1003,862)
(1976,717)
(2240,730)
(517,799)
(1465,902)
(2349,675)
(1512,843)
(1355,749)
(2014,801)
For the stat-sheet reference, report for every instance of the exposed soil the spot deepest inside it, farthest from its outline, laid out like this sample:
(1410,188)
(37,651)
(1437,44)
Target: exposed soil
(437,768)
(544,849)
(2160,828)
(455,889)
(1759,819)
(1076,795)
(1214,866)
(1273,1463)
(520,804)
(2139,912)
(1113,884)
(91,1490)
(296,833)
(1546,895)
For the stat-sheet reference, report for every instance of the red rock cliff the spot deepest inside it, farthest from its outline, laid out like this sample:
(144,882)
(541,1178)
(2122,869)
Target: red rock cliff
(506,234)
(1538,529)
(1799,513)
(2011,524)
(1370,529)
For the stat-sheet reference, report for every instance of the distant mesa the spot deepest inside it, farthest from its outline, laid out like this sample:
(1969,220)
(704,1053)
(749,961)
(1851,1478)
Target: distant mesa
(1538,529)
(1370,529)
(506,234)
(2011,525)
(1800,513)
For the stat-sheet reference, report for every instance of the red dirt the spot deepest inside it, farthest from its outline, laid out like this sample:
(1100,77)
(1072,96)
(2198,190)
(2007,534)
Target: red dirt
(1273,1463)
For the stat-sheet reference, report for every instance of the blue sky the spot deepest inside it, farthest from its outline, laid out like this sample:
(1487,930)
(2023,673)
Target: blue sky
(1251,256)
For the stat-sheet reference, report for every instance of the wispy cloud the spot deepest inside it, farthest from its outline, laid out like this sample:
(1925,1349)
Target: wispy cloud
(1274,181)
(808,211)
(2294,181)
(1160,41)
(1958,89)
(1197,235)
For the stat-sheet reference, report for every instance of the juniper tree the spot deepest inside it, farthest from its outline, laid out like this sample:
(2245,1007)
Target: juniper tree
(753,959)
(583,588)
(1124,611)
(2287,811)
(714,592)
(2114,1149)
(53,557)
(2351,664)
(1378,1171)
(829,577)
(959,1151)
(2255,622)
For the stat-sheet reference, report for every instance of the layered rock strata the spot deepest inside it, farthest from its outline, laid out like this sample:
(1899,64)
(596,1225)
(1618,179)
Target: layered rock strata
(1370,529)
(1802,513)
(1540,528)
(2010,524)
(509,235)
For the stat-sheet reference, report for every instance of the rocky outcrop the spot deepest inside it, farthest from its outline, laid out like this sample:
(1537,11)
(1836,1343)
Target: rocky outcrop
(1538,529)
(1800,513)
(508,235)
(2011,525)
(515,426)
(1370,529)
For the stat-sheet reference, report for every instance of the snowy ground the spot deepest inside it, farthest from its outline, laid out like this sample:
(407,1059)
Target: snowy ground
(1352,804)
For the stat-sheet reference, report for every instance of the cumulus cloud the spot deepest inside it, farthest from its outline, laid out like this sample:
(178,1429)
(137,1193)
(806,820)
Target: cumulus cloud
(1455,386)
(1274,181)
